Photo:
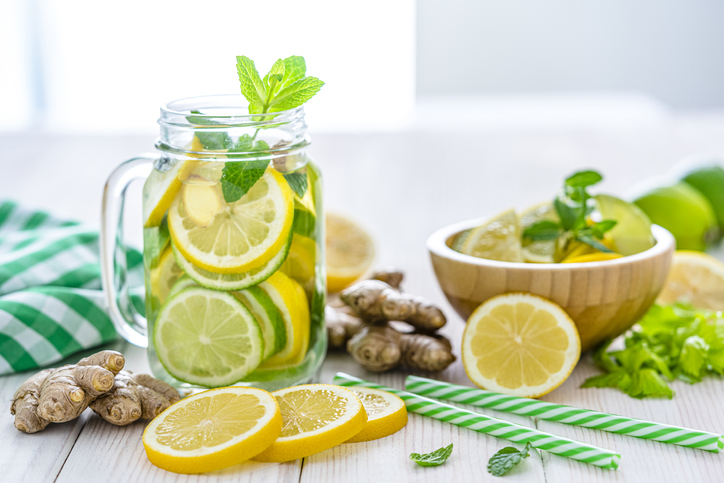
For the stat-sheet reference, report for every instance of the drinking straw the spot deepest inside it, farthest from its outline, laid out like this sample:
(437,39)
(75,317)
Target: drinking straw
(499,428)
(566,414)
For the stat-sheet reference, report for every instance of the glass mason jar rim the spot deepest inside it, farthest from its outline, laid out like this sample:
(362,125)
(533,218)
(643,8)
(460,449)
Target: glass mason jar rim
(228,113)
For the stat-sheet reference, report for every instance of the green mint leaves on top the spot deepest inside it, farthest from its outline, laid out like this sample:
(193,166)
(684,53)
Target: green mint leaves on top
(669,342)
(284,87)
(436,458)
(506,459)
(573,205)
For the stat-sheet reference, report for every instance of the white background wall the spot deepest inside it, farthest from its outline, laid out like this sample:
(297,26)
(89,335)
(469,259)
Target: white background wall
(671,49)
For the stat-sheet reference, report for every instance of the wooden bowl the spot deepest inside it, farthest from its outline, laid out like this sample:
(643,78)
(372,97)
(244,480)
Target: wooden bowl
(604,299)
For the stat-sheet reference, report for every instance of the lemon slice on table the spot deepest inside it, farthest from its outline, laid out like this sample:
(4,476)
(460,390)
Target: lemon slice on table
(315,417)
(243,235)
(289,298)
(539,251)
(207,337)
(232,281)
(350,252)
(695,278)
(497,239)
(212,430)
(165,275)
(632,232)
(520,344)
(386,414)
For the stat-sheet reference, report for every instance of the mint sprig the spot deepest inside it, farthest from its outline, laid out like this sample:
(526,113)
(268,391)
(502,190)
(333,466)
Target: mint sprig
(573,205)
(435,458)
(507,458)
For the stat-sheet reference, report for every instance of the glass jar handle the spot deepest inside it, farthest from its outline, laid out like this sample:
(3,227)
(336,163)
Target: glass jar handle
(114,275)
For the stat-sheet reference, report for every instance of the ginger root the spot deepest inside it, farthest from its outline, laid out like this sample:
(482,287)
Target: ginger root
(341,326)
(62,394)
(375,300)
(134,396)
(381,348)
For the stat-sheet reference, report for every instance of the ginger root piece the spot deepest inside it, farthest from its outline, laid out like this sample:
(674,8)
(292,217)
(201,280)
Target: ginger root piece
(390,275)
(134,396)
(25,404)
(375,300)
(341,326)
(381,348)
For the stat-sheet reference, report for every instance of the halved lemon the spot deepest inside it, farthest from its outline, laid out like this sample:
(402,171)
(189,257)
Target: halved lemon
(243,235)
(386,414)
(289,298)
(520,344)
(165,275)
(538,251)
(695,278)
(350,252)
(212,430)
(497,239)
(207,337)
(315,417)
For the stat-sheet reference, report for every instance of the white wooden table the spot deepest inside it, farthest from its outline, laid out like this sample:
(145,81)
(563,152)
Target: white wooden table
(402,186)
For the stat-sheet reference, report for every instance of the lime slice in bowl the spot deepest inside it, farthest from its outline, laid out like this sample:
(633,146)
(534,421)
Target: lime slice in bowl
(632,233)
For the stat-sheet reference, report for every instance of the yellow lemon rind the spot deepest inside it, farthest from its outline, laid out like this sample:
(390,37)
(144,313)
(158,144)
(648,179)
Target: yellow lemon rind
(385,424)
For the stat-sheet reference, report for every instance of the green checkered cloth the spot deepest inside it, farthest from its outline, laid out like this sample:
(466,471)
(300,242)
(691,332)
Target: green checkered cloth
(51,300)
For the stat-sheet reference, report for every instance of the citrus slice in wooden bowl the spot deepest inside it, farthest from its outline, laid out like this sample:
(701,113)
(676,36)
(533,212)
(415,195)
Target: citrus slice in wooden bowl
(520,344)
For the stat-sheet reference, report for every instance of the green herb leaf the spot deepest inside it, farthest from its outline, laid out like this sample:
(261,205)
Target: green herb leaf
(298,182)
(583,179)
(600,228)
(212,141)
(506,459)
(436,458)
(274,78)
(619,379)
(648,383)
(295,94)
(252,86)
(566,213)
(238,177)
(589,240)
(693,357)
(294,69)
(542,230)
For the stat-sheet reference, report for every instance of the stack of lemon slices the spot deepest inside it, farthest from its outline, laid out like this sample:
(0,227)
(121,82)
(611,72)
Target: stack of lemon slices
(223,427)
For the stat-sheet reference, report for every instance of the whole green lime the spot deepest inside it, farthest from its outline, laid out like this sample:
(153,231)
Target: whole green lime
(685,212)
(709,180)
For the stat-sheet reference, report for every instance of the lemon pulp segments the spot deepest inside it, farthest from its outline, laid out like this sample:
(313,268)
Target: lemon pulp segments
(213,430)
(386,414)
(497,239)
(315,417)
(165,275)
(243,235)
(520,344)
(207,337)
(350,252)
(695,278)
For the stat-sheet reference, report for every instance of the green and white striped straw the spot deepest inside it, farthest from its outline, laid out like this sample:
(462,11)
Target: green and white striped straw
(566,414)
(516,433)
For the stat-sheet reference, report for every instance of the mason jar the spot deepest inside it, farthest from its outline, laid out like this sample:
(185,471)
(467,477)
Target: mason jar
(233,248)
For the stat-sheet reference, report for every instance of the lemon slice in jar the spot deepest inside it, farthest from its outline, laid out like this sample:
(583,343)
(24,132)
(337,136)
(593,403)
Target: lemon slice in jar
(165,275)
(232,237)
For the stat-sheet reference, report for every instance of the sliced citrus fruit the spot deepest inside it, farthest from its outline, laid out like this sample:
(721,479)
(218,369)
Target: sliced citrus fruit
(593,257)
(244,235)
(497,239)
(184,282)
(207,337)
(212,430)
(232,281)
(538,251)
(315,417)
(632,232)
(520,344)
(350,252)
(300,263)
(386,414)
(165,275)
(695,278)
(202,202)
(269,318)
(288,296)
(159,191)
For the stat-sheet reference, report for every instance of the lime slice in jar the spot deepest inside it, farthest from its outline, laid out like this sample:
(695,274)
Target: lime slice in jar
(241,235)
(207,337)
(184,282)
(232,281)
(269,318)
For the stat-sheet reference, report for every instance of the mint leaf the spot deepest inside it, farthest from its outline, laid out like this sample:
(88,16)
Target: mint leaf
(252,86)
(297,182)
(209,140)
(600,228)
(507,458)
(238,177)
(274,78)
(589,240)
(294,69)
(583,179)
(542,230)
(436,458)
(566,213)
(295,94)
